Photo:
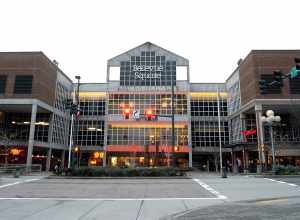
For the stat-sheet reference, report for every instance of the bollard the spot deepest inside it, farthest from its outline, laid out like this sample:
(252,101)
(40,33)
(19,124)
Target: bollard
(224,172)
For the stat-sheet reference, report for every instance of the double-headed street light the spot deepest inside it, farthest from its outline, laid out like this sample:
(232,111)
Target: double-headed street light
(269,120)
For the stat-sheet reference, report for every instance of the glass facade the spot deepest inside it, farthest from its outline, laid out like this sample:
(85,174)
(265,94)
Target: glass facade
(143,135)
(147,69)
(92,105)
(204,124)
(61,96)
(207,105)
(206,133)
(160,103)
(89,133)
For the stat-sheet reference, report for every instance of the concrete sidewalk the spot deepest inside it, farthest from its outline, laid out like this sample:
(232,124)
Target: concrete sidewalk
(246,188)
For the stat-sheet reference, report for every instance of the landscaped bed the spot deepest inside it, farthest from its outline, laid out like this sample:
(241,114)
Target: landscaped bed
(124,172)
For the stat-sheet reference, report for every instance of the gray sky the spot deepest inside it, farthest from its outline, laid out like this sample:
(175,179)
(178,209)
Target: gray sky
(212,34)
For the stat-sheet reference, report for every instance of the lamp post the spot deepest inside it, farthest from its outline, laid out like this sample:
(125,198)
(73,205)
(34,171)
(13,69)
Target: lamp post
(76,100)
(269,120)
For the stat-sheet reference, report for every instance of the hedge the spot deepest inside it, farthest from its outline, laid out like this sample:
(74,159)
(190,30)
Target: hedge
(124,172)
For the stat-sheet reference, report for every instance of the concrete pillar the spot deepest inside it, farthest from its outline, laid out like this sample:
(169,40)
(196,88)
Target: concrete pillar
(31,136)
(63,159)
(48,161)
(260,137)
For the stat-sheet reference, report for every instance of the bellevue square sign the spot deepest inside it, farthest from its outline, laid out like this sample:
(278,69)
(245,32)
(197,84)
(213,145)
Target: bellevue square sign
(147,71)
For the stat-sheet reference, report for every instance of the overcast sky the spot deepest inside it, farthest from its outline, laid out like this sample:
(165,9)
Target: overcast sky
(212,34)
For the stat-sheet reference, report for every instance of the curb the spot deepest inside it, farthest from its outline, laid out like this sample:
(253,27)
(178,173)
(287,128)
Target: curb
(276,176)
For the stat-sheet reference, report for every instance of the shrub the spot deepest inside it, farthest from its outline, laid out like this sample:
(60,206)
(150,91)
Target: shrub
(121,172)
(286,170)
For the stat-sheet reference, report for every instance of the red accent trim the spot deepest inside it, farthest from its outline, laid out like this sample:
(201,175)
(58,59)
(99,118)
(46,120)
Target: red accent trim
(150,148)
(247,133)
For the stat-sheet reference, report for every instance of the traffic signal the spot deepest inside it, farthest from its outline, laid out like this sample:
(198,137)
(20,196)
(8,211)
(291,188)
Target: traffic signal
(278,77)
(263,86)
(295,71)
(68,104)
(126,113)
(73,109)
(149,115)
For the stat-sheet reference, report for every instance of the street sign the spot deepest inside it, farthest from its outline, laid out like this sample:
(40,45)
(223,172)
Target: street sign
(136,114)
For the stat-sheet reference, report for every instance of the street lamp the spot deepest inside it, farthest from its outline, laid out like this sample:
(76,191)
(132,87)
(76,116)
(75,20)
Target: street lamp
(76,99)
(269,120)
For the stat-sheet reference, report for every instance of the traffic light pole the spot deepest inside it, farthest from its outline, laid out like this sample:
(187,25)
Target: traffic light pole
(71,141)
(75,96)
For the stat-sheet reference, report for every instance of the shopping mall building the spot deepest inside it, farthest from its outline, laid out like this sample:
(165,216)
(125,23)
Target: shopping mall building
(35,125)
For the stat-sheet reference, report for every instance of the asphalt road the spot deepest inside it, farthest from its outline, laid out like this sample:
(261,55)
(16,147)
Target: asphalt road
(292,179)
(203,197)
(107,189)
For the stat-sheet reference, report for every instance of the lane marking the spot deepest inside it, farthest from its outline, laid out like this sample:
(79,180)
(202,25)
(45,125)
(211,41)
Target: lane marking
(9,184)
(278,181)
(210,189)
(108,199)
(18,182)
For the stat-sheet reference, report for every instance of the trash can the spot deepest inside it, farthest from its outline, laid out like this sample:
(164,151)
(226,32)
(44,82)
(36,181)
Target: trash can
(17,172)
(224,172)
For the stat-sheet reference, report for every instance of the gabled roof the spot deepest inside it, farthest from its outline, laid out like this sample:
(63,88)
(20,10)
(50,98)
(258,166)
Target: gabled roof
(115,61)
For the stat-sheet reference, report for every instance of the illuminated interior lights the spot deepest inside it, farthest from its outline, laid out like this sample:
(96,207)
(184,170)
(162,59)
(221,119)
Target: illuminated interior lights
(91,129)
(164,105)
(42,123)
(15,151)
(208,94)
(92,94)
(93,162)
(140,125)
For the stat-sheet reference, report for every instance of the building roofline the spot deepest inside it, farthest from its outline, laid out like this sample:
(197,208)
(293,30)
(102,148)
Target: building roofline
(262,51)
(37,53)
(149,43)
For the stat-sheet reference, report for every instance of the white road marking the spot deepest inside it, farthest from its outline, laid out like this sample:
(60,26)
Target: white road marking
(18,182)
(278,181)
(10,184)
(211,190)
(109,199)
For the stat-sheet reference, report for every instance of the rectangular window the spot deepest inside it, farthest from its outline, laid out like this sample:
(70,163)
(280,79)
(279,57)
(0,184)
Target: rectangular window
(23,84)
(2,84)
